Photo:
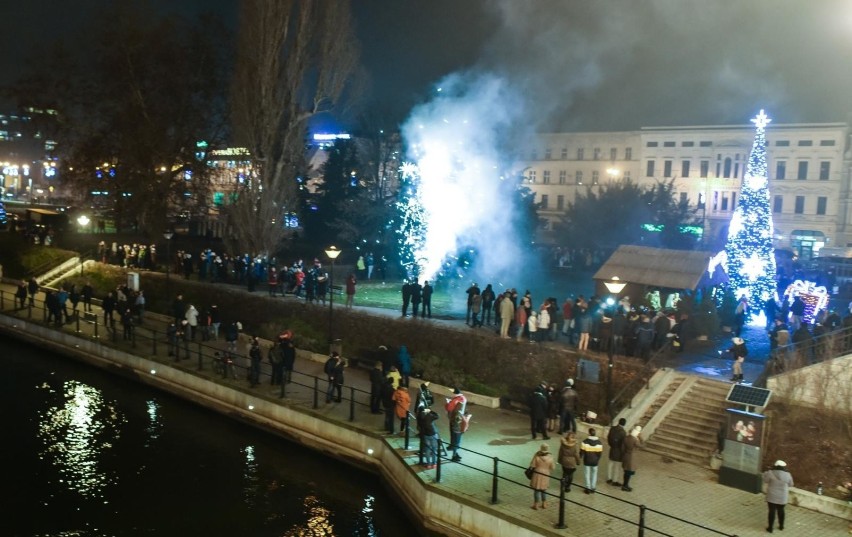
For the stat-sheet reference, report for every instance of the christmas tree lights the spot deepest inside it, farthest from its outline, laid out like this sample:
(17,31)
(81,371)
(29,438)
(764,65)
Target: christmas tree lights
(750,254)
(411,233)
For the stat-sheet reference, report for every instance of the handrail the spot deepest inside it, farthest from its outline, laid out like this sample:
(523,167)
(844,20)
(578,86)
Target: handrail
(204,354)
(644,377)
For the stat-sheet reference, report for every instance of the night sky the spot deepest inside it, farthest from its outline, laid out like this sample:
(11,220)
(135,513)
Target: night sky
(580,65)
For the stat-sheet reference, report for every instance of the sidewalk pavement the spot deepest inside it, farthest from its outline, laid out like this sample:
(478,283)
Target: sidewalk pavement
(677,489)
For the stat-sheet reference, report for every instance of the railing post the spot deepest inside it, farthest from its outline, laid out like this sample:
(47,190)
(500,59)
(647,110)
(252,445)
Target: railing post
(351,402)
(405,430)
(642,520)
(494,480)
(96,327)
(560,524)
(77,320)
(438,460)
(201,358)
(316,392)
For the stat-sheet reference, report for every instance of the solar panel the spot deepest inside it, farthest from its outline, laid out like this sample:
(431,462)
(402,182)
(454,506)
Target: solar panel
(748,395)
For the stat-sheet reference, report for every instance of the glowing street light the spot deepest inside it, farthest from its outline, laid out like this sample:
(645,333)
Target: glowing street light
(84,221)
(615,285)
(332,252)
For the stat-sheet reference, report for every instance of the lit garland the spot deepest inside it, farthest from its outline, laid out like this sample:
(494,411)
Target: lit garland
(750,254)
(815,297)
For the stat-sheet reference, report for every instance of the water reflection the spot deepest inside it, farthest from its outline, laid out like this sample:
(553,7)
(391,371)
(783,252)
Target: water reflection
(76,435)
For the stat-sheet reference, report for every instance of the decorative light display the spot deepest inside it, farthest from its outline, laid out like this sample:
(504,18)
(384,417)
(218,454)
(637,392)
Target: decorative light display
(815,297)
(750,254)
(413,223)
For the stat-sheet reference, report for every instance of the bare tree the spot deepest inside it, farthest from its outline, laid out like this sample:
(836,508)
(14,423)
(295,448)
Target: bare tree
(295,59)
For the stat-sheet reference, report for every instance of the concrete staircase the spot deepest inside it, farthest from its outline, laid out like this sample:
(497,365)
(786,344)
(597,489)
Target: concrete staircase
(688,431)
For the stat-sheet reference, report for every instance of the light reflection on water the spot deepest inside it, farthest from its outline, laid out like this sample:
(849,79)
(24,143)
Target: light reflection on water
(77,433)
(109,457)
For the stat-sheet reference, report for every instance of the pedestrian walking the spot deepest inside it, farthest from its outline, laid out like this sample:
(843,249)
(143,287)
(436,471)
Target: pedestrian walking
(591,450)
(350,290)
(568,407)
(615,441)
(542,464)
(739,352)
(628,462)
(569,459)
(334,371)
(778,482)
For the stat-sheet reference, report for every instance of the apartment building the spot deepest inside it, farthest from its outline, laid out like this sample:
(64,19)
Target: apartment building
(808,168)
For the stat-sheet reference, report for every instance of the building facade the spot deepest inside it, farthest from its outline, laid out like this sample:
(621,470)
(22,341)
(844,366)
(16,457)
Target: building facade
(809,175)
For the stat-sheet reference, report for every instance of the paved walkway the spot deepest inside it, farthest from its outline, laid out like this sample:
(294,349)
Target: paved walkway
(676,489)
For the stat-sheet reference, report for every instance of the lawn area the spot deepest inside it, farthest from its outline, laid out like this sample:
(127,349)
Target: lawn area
(21,259)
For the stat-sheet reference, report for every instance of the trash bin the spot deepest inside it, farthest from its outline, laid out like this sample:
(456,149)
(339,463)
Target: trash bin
(133,281)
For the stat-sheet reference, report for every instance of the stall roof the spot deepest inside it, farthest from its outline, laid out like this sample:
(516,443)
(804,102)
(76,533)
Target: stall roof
(46,212)
(673,269)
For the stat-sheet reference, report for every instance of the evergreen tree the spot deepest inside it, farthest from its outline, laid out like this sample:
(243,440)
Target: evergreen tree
(751,256)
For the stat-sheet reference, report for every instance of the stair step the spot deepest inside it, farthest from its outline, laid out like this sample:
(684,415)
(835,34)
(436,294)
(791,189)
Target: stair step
(684,441)
(697,431)
(697,419)
(688,457)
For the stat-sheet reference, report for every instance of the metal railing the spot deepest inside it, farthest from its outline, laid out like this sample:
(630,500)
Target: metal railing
(828,346)
(211,362)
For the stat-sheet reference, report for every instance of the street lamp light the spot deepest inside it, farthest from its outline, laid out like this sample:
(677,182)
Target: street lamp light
(332,252)
(615,285)
(168,236)
(84,221)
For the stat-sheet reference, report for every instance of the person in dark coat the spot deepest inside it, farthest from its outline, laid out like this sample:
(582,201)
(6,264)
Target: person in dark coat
(569,459)
(426,310)
(538,411)
(615,441)
(631,441)
(389,404)
(254,359)
(416,298)
(377,379)
(406,297)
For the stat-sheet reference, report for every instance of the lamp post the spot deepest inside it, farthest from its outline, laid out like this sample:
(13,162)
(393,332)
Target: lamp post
(332,252)
(614,286)
(168,236)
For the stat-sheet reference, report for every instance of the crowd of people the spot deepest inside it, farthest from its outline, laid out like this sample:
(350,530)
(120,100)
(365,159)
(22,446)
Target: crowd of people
(588,324)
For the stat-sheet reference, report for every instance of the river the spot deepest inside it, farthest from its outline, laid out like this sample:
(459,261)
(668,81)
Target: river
(91,454)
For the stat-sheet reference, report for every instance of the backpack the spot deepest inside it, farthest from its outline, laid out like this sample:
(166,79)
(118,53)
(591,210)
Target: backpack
(464,425)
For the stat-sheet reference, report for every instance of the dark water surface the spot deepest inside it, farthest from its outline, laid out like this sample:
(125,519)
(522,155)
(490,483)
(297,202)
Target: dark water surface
(86,453)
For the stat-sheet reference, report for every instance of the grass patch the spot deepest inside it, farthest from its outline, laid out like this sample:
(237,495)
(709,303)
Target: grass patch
(21,259)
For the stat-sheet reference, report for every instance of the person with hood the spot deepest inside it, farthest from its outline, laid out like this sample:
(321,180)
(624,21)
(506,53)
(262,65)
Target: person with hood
(542,464)
(569,459)
(403,360)
(778,482)
(488,297)
(402,402)
(591,450)
(628,462)
(615,441)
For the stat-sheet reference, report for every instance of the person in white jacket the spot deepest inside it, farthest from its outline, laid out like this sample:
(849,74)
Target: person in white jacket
(543,322)
(192,321)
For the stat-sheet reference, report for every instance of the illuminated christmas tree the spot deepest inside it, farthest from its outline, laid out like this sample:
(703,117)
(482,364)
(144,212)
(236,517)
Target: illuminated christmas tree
(751,256)
(411,230)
